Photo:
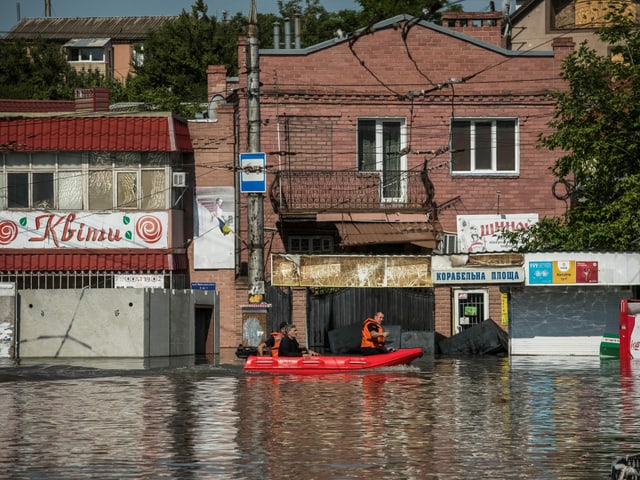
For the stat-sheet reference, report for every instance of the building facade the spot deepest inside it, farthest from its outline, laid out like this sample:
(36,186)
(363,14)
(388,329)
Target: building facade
(379,141)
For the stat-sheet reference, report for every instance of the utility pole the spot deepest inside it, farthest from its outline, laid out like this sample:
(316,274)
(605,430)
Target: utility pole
(255,206)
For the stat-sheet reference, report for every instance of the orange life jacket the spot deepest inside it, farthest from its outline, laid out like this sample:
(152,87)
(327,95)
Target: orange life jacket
(277,337)
(367,339)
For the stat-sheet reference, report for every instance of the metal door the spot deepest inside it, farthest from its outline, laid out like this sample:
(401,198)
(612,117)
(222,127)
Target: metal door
(470,308)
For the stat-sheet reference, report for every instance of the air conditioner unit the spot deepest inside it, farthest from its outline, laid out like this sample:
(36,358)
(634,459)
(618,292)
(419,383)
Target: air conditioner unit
(179,179)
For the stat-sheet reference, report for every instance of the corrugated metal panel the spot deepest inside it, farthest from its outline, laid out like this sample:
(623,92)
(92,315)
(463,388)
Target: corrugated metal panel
(116,28)
(94,261)
(412,309)
(567,320)
(280,311)
(367,233)
(87,42)
(147,134)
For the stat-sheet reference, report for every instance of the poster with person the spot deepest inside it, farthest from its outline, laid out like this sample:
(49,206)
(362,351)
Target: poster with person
(214,230)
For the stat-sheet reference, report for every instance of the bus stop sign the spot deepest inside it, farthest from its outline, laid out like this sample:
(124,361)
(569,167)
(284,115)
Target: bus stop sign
(253,174)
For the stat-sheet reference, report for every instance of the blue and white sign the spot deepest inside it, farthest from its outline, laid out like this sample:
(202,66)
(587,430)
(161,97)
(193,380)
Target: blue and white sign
(203,286)
(253,173)
(478,275)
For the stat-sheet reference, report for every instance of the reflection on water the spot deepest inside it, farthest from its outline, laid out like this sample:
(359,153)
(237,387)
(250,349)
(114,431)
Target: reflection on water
(481,417)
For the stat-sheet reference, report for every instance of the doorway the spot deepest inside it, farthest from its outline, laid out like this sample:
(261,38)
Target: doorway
(470,307)
(204,331)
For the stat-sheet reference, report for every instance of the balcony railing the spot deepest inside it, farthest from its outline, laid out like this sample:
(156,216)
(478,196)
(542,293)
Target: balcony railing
(313,191)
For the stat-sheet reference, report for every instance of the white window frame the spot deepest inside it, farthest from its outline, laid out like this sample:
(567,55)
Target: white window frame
(493,170)
(379,150)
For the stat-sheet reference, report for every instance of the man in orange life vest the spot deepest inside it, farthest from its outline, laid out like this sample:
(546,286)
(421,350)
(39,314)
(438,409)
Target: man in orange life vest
(373,336)
(273,342)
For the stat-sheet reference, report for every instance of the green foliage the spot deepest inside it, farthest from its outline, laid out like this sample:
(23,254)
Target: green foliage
(316,24)
(377,10)
(596,128)
(39,71)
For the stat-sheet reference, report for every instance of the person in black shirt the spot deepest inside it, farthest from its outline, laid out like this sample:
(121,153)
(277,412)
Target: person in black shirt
(289,346)
(273,342)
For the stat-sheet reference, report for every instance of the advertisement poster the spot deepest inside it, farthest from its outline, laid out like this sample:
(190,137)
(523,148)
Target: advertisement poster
(562,272)
(214,228)
(481,233)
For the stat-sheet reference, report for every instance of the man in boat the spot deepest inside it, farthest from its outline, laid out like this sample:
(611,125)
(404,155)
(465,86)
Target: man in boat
(289,346)
(273,342)
(373,336)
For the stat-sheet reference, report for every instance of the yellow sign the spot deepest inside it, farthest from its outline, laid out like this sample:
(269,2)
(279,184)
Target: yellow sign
(504,315)
(564,271)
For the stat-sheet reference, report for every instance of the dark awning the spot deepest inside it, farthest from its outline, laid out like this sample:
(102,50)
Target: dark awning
(423,234)
(103,260)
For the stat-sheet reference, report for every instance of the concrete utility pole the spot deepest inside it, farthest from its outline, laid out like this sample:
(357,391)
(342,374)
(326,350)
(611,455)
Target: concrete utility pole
(255,207)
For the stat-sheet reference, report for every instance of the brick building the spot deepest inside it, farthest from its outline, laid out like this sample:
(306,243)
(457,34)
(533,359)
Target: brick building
(379,141)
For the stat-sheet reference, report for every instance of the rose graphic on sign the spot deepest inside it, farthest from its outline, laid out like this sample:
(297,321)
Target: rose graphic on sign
(8,232)
(149,229)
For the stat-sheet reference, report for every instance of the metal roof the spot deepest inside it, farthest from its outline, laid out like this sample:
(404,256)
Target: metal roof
(96,133)
(369,233)
(118,29)
(87,42)
(95,260)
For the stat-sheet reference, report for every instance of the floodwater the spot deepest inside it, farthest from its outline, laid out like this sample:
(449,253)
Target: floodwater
(443,418)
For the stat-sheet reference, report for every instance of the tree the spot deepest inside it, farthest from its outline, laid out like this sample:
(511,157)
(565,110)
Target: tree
(377,10)
(38,70)
(316,24)
(596,126)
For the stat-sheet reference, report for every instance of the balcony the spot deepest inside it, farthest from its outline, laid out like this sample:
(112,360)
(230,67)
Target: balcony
(306,192)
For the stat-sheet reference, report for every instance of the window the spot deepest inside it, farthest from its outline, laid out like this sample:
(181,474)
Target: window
(139,181)
(300,244)
(93,180)
(18,190)
(471,307)
(86,55)
(484,146)
(380,149)
(137,55)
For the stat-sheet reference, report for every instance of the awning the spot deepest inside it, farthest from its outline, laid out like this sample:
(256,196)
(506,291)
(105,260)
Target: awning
(87,42)
(104,260)
(423,234)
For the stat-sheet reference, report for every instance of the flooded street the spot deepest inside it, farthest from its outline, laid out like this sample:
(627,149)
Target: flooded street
(443,418)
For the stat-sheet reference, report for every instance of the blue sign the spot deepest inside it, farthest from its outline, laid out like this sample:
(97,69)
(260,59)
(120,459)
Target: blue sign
(203,286)
(540,273)
(253,173)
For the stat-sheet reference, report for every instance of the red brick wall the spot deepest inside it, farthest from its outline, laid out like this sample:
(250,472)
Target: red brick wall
(310,104)
(214,157)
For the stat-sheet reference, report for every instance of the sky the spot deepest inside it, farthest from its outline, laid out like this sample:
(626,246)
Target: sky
(135,8)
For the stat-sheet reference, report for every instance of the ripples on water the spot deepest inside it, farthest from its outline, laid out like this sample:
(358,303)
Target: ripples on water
(448,418)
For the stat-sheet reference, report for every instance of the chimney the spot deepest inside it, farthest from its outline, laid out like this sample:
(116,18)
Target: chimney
(287,33)
(89,100)
(485,26)
(276,35)
(296,29)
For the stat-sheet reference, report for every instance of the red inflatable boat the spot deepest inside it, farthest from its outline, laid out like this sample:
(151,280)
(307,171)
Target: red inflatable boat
(330,363)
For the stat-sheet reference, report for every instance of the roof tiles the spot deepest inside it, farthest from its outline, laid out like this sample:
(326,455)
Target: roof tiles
(96,133)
